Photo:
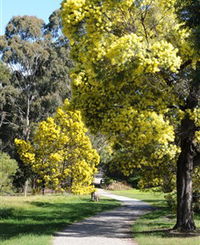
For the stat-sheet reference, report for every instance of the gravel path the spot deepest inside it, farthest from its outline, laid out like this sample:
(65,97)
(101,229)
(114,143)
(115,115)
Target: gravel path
(107,228)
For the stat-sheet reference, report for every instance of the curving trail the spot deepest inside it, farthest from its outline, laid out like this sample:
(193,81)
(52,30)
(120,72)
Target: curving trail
(107,228)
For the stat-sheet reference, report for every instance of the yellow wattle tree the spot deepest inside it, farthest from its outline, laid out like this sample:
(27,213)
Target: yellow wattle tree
(61,153)
(133,80)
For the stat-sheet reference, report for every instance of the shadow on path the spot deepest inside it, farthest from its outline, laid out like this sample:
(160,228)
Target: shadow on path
(111,227)
(45,218)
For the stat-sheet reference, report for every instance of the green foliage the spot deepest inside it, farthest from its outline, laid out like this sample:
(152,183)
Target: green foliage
(188,11)
(4,75)
(107,181)
(8,168)
(37,56)
(6,93)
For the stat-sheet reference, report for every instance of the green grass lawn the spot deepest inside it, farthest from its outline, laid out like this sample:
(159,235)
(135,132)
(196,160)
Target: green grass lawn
(33,220)
(154,227)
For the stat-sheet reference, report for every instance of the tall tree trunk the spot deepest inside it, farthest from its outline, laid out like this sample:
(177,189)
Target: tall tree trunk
(185,221)
(187,158)
(27,126)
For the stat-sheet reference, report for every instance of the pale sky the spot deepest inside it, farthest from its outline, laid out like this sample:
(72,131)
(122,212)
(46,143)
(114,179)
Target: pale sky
(39,8)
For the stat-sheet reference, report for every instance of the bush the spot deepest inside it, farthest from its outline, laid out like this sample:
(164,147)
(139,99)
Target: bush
(134,180)
(8,168)
(106,181)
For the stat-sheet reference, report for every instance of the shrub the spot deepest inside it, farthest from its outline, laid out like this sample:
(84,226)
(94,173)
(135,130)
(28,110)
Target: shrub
(8,168)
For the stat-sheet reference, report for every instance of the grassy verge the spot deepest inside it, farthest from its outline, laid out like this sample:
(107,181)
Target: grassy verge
(33,220)
(154,228)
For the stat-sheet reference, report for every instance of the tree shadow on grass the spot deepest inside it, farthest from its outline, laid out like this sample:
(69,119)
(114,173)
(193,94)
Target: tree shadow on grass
(159,222)
(46,218)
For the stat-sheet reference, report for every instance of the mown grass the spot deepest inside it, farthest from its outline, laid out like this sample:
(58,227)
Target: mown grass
(33,220)
(154,228)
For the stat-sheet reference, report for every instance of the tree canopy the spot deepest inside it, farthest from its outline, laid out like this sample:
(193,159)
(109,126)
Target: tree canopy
(8,168)
(61,153)
(37,56)
(136,79)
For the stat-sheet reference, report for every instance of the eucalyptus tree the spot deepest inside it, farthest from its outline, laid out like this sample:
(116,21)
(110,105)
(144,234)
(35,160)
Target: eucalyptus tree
(37,57)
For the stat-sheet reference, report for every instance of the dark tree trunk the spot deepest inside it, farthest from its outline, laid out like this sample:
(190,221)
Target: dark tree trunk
(187,159)
(43,188)
(185,164)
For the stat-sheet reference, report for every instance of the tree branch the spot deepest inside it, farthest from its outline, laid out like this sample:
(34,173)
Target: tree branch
(184,65)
